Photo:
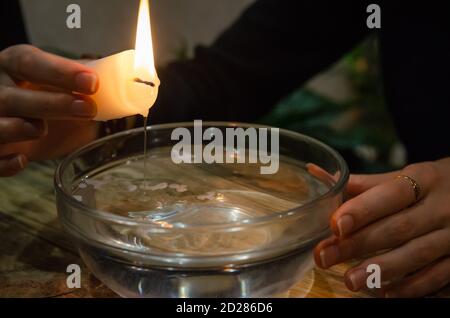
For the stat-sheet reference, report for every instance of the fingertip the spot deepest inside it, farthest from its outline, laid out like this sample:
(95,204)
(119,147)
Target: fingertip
(333,225)
(20,161)
(83,107)
(355,185)
(13,165)
(348,283)
(335,217)
(97,82)
(354,279)
(317,252)
(317,258)
(87,82)
(343,225)
(93,104)
(35,128)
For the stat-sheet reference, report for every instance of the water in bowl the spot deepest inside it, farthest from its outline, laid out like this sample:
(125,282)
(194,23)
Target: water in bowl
(186,195)
(194,194)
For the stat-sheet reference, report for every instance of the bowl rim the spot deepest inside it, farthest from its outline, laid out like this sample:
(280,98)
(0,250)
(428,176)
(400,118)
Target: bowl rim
(295,211)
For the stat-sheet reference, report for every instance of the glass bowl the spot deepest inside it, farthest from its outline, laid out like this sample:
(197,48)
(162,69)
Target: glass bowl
(149,227)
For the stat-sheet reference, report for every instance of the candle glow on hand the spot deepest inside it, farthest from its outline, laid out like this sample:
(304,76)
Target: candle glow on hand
(128,80)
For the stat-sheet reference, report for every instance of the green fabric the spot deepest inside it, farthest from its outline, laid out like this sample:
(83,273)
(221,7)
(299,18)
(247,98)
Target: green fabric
(360,121)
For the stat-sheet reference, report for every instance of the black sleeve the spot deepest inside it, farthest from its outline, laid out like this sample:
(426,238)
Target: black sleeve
(11,24)
(272,49)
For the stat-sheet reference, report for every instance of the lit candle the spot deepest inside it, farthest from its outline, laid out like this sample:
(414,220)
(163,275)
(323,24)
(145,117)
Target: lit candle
(128,80)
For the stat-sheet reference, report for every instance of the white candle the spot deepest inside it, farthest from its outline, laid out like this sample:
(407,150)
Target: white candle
(128,80)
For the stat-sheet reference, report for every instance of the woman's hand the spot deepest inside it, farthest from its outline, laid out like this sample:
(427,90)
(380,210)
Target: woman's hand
(41,114)
(409,239)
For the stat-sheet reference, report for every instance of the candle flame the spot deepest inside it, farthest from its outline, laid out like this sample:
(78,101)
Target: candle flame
(144,63)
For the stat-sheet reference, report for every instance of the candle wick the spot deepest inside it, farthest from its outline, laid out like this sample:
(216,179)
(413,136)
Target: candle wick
(138,80)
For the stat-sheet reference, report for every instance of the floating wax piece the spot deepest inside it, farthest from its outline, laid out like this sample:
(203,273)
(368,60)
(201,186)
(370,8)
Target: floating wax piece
(178,187)
(139,215)
(82,185)
(159,186)
(78,197)
(207,196)
(95,183)
(132,188)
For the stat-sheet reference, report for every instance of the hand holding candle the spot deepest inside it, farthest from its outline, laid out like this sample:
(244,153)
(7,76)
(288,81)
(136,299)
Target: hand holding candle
(128,80)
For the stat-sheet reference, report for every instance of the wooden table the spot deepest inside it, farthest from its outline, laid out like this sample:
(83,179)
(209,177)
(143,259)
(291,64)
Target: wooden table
(34,252)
